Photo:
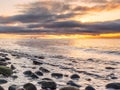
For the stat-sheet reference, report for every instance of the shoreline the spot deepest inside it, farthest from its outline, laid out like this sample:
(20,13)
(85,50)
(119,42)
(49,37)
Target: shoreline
(50,67)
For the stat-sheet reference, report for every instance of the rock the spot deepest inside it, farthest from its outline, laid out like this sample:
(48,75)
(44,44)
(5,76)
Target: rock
(37,62)
(2,59)
(14,76)
(3,54)
(46,79)
(6,58)
(44,70)
(33,67)
(20,89)
(89,88)
(75,76)
(66,75)
(28,73)
(90,59)
(33,76)
(29,86)
(40,82)
(111,76)
(40,57)
(5,71)
(57,75)
(114,78)
(12,87)
(48,84)
(73,84)
(3,63)
(2,81)
(39,73)
(1,88)
(69,88)
(113,86)
(12,67)
(109,68)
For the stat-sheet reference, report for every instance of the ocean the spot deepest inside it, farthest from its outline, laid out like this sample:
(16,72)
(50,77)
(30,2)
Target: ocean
(108,49)
(90,58)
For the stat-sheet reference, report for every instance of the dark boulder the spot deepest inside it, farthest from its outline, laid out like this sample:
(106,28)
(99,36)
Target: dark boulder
(2,81)
(12,67)
(69,88)
(1,88)
(48,84)
(34,76)
(57,75)
(29,86)
(113,85)
(71,83)
(46,79)
(40,57)
(6,58)
(14,76)
(75,76)
(28,73)
(89,88)
(44,70)
(110,68)
(35,62)
(3,63)
(39,73)
(12,87)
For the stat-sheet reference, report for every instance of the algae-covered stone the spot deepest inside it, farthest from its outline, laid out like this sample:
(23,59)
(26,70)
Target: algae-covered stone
(5,71)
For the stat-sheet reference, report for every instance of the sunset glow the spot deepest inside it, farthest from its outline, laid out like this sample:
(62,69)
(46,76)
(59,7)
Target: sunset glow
(60,19)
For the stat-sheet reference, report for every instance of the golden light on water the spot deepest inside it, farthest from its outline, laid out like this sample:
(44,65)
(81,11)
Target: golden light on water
(71,36)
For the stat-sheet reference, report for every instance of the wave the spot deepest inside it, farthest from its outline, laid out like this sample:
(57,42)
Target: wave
(100,51)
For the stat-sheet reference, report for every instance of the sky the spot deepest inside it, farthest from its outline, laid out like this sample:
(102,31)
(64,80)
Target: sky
(61,18)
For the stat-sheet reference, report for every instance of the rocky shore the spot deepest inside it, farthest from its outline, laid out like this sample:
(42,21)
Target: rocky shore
(20,71)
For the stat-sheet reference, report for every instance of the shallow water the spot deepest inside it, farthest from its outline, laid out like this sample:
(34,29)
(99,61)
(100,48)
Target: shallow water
(108,49)
(70,56)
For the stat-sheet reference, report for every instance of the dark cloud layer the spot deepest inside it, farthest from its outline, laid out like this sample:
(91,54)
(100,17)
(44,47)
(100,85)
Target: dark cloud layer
(53,17)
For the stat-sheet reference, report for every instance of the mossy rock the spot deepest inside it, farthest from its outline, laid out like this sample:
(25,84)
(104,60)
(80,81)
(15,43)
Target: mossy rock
(5,71)
(69,88)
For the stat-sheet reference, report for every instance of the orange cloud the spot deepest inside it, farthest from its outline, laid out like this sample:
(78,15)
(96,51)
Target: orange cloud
(98,8)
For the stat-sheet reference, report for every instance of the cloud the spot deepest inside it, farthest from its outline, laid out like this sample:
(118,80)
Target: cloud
(98,8)
(54,17)
(97,28)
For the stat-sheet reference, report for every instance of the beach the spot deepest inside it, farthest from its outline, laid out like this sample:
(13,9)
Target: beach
(68,62)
